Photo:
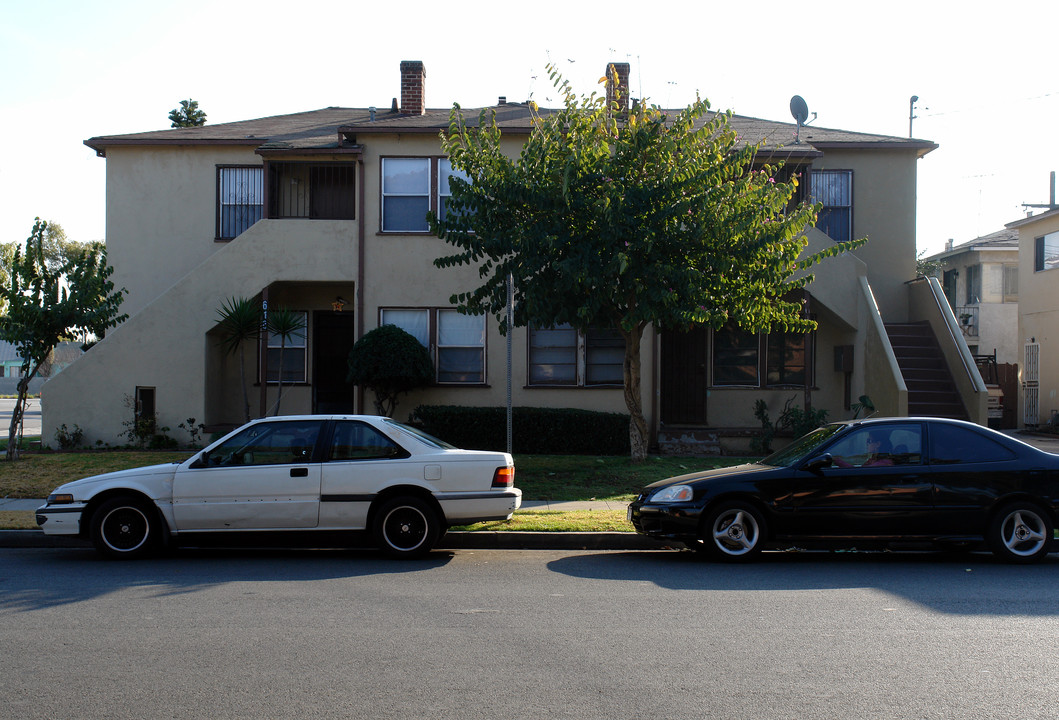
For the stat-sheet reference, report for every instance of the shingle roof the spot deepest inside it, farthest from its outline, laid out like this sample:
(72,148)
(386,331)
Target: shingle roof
(322,130)
(1006,239)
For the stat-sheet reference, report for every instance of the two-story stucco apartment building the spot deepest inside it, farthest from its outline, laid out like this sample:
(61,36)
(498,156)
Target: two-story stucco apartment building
(323,212)
(1038,325)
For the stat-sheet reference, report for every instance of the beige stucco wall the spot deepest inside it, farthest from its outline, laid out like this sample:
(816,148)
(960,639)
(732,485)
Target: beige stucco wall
(884,211)
(161,214)
(1039,312)
(164,345)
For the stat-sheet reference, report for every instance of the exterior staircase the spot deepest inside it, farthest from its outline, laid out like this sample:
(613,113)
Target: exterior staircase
(931,390)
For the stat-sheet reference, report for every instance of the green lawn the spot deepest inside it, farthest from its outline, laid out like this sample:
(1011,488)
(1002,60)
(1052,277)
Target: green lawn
(557,478)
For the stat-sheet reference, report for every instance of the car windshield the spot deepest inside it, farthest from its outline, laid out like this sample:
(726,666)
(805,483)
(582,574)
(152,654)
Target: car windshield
(801,447)
(420,435)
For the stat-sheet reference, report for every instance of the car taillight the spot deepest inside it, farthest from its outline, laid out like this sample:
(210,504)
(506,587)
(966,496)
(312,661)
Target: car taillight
(504,477)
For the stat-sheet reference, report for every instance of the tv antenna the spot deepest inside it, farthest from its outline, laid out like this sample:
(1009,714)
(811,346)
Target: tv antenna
(800,111)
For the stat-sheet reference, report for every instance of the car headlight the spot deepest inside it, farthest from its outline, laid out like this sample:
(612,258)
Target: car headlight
(674,493)
(60,498)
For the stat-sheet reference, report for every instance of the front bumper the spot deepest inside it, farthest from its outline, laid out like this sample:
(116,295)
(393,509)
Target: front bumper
(665,520)
(60,519)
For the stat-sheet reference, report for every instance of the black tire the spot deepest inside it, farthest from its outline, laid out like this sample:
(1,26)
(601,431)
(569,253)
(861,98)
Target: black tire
(125,528)
(406,527)
(1021,532)
(733,531)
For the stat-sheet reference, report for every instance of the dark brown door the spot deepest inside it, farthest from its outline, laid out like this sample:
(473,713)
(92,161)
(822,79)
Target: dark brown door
(335,335)
(684,377)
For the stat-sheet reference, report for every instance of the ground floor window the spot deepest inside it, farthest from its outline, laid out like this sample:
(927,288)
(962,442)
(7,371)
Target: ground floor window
(745,359)
(563,356)
(290,353)
(456,342)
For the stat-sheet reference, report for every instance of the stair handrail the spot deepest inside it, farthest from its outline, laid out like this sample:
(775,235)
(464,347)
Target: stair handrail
(956,335)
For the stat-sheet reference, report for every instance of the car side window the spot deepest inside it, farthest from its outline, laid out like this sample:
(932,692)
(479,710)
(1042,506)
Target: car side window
(879,446)
(950,445)
(278,443)
(360,441)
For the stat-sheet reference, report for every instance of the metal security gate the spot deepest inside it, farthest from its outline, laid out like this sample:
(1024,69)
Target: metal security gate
(1031,377)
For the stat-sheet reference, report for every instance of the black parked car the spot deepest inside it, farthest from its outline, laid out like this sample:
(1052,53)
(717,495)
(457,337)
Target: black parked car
(886,482)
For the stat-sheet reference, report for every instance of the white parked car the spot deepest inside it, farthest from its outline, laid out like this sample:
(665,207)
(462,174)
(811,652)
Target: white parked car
(301,473)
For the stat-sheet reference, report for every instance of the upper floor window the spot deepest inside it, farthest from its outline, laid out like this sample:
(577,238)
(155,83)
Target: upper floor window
(411,187)
(974,284)
(564,356)
(1010,283)
(446,171)
(405,194)
(323,191)
(240,199)
(833,188)
(1046,252)
(456,342)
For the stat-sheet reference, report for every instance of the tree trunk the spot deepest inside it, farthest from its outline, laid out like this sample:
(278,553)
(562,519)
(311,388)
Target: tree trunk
(242,381)
(638,433)
(13,435)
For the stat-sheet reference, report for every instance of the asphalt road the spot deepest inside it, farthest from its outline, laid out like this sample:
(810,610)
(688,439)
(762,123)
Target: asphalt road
(526,634)
(30,419)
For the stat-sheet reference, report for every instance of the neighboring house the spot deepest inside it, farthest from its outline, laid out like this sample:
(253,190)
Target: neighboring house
(10,360)
(1039,315)
(324,212)
(980,279)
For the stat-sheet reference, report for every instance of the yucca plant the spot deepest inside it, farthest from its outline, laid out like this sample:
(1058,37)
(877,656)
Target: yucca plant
(240,321)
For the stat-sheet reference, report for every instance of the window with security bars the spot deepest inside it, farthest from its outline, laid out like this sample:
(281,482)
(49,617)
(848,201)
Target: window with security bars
(240,199)
(320,191)
(834,189)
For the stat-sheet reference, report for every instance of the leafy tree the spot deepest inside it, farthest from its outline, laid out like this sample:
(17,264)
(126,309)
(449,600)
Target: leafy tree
(927,268)
(58,250)
(187,115)
(390,362)
(240,321)
(620,218)
(284,324)
(48,303)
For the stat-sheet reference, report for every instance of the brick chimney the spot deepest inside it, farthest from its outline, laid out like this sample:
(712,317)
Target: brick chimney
(413,79)
(619,93)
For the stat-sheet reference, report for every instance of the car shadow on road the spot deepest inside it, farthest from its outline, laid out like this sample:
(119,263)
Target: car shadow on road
(76,575)
(948,582)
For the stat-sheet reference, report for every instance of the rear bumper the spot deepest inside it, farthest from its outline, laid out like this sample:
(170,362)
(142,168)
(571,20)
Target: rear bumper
(461,508)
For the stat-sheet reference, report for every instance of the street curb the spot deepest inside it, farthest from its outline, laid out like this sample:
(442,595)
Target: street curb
(462,540)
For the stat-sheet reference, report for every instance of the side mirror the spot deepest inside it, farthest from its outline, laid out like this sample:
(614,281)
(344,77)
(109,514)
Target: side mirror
(819,462)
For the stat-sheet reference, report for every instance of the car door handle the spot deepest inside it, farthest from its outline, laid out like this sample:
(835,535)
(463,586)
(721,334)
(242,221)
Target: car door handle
(299,472)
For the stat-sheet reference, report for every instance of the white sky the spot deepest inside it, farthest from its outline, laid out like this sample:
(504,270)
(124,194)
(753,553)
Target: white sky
(985,73)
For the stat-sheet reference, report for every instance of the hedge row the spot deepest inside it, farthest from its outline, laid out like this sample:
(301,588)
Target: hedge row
(549,431)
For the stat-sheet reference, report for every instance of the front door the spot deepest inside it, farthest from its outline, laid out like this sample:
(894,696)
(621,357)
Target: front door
(265,477)
(335,335)
(683,377)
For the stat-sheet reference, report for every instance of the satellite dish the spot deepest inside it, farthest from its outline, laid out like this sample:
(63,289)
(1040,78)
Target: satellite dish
(800,111)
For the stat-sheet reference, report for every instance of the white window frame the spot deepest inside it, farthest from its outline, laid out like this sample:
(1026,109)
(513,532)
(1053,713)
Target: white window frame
(298,343)
(426,325)
(387,191)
